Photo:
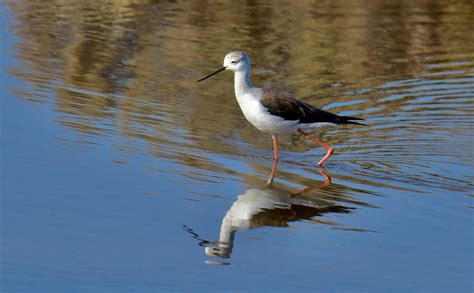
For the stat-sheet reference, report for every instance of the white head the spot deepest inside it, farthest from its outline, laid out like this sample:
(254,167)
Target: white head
(235,61)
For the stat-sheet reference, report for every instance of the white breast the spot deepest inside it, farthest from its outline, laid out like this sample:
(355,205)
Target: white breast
(258,115)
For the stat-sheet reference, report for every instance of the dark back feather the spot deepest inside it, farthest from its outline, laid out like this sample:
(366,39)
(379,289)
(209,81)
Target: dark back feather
(289,108)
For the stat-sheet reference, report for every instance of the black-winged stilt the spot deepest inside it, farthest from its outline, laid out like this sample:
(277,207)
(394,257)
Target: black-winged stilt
(276,112)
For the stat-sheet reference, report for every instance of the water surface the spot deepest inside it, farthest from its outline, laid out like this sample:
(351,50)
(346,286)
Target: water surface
(120,173)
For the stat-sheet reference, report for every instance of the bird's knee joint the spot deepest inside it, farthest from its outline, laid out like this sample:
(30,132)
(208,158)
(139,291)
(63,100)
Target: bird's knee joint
(331,151)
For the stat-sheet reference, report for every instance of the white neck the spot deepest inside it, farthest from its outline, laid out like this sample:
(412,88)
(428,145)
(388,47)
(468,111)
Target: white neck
(227,231)
(242,82)
(226,237)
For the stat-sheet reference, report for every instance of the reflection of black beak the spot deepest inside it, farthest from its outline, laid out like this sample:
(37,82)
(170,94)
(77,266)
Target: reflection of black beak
(214,73)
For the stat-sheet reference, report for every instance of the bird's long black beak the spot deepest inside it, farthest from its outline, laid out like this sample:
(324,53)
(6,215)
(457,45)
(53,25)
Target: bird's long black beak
(214,73)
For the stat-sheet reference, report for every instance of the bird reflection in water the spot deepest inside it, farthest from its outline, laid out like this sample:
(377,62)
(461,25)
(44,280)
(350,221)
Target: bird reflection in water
(268,206)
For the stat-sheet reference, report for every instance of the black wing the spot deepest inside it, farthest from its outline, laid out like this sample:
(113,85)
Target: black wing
(289,108)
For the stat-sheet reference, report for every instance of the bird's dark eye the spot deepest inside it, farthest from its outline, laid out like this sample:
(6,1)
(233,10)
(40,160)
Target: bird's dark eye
(234,62)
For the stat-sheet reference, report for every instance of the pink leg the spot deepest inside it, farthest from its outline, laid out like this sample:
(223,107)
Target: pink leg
(321,143)
(276,157)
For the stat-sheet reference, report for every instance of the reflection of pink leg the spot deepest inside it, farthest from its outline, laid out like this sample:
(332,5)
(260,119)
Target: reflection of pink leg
(276,157)
(321,143)
(327,178)
(327,182)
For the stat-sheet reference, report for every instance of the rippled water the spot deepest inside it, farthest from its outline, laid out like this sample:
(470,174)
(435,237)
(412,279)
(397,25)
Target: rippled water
(121,173)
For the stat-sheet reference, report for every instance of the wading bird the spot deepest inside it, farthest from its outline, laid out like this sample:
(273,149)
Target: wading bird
(276,112)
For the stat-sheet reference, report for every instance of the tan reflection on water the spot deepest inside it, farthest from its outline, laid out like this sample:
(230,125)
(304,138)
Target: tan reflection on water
(129,68)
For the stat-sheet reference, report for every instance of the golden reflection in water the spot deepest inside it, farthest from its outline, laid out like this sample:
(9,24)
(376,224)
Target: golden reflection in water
(129,68)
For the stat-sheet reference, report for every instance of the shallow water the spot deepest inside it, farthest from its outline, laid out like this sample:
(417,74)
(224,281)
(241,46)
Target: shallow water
(120,173)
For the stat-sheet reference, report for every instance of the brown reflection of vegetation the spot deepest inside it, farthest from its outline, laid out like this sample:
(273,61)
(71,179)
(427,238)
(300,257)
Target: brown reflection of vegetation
(136,62)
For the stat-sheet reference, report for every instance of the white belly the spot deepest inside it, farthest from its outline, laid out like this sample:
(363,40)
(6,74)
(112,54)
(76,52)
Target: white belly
(259,117)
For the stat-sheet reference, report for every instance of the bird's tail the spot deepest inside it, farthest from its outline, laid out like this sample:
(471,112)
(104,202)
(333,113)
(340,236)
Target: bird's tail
(347,120)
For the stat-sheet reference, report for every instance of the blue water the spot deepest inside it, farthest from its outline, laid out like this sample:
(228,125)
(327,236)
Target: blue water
(116,180)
